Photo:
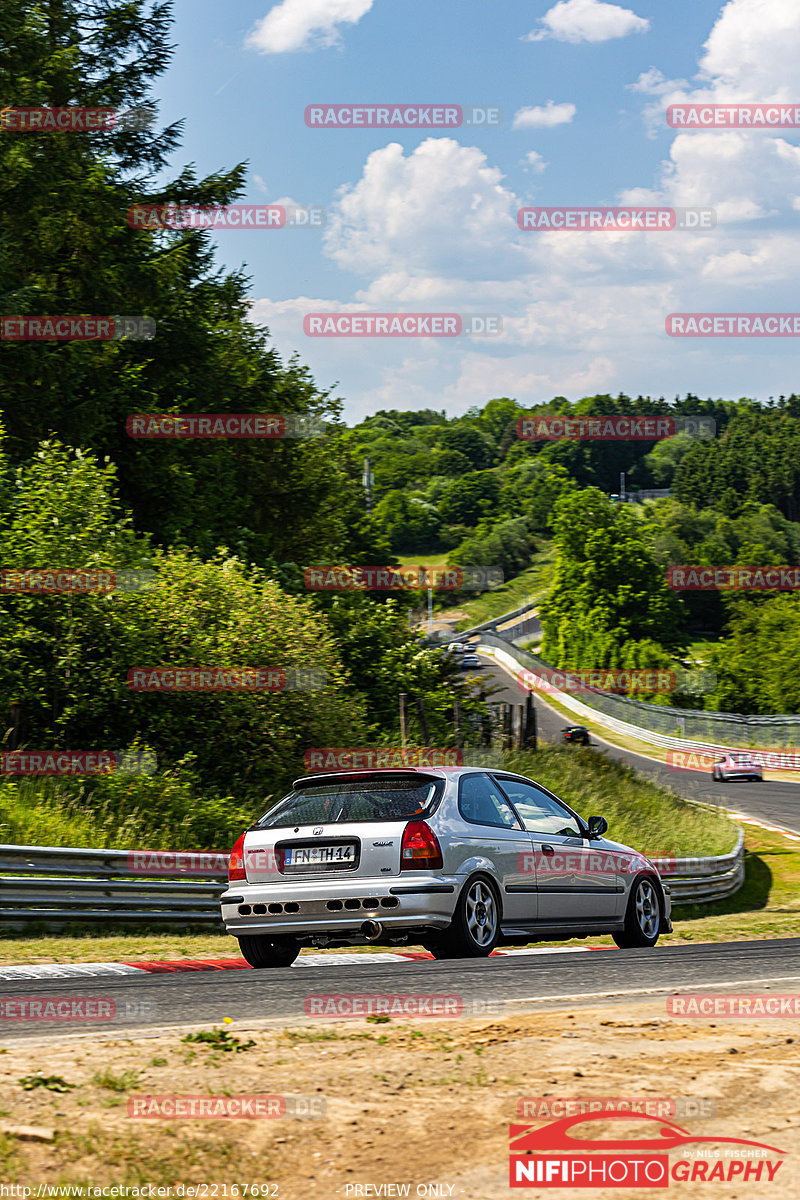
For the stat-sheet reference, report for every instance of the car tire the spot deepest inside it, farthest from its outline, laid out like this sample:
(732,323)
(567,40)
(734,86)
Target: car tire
(262,951)
(643,916)
(475,928)
(715,775)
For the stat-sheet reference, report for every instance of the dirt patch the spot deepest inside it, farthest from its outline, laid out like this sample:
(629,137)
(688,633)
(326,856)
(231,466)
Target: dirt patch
(417,1105)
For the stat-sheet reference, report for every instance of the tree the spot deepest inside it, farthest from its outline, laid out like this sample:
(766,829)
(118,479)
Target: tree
(470,498)
(609,604)
(66,248)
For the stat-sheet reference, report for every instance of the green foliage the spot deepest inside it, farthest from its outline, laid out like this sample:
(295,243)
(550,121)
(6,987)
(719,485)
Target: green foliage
(53,1083)
(409,523)
(220,1039)
(66,248)
(639,812)
(383,659)
(470,498)
(609,605)
(506,544)
(757,460)
(758,663)
(531,488)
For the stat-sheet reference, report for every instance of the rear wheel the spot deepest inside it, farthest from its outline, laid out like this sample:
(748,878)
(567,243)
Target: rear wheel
(475,927)
(643,917)
(262,951)
(715,775)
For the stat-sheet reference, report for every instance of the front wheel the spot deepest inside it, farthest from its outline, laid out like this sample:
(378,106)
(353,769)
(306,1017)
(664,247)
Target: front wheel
(643,916)
(475,927)
(262,951)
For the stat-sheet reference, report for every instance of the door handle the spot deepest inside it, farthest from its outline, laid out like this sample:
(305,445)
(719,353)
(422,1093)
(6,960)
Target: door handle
(547,850)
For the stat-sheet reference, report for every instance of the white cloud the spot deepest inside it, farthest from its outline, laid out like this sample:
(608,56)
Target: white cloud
(544,117)
(434,230)
(534,160)
(587,21)
(752,50)
(441,210)
(303,24)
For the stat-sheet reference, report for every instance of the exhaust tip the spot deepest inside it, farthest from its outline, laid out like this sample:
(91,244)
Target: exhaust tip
(372,930)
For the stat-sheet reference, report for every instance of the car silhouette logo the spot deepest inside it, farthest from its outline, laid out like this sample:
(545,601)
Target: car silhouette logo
(317,830)
(557,1135)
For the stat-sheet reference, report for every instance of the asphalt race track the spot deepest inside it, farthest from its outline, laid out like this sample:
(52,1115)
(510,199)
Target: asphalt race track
(487,987)
(772,803)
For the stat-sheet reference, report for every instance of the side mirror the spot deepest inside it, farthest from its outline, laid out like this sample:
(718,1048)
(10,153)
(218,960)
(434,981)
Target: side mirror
(597,827)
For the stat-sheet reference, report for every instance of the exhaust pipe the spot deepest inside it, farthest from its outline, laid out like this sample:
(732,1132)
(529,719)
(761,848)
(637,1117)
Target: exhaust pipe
(372,930)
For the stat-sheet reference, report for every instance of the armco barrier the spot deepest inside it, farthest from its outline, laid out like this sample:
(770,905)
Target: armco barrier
(657,724)
(53,886)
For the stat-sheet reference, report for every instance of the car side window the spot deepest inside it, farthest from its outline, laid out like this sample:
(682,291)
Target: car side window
(540,813)
(481,802)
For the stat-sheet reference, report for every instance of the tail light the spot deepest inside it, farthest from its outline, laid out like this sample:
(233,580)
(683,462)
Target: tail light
(236,862)
(420,849)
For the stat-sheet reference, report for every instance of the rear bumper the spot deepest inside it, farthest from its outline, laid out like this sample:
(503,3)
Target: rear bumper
(340,907)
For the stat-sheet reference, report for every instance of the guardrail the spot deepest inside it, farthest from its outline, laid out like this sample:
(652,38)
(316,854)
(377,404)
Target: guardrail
(54,886)
(518,661)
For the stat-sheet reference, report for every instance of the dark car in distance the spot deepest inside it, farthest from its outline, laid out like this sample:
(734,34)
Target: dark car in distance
(576,734)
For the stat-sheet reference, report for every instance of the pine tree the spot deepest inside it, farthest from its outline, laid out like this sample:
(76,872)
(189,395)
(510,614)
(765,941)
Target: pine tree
(66,248)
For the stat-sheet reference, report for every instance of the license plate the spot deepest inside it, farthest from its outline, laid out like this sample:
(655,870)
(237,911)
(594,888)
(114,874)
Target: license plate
(319,856)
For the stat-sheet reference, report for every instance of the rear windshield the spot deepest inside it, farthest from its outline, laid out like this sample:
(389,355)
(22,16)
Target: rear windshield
(355,800)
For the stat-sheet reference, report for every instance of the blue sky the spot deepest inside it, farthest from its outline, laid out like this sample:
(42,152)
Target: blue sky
(425,222)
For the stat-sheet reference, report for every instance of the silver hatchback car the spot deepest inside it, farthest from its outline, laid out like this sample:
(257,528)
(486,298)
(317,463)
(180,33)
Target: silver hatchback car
(457,860)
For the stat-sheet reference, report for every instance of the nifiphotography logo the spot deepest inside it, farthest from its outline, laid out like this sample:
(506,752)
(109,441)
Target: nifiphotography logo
(565,1154)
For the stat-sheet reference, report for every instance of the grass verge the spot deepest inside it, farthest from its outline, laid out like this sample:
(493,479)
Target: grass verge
(527,587)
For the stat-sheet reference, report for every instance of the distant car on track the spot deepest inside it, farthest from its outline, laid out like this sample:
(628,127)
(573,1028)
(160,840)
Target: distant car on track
(468,661)
(459,860)
(576,734)
(737,766)
(458,647)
